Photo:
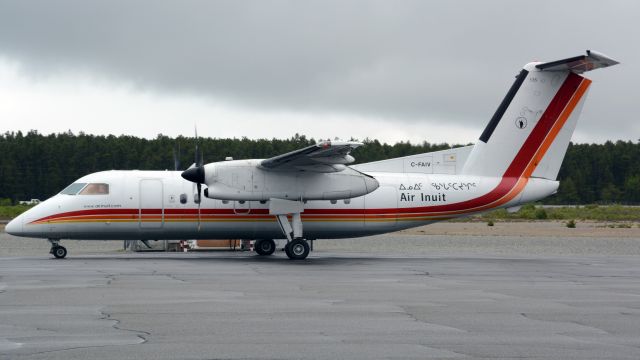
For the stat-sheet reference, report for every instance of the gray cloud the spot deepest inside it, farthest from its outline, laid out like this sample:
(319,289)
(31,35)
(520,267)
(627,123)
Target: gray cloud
(406,61)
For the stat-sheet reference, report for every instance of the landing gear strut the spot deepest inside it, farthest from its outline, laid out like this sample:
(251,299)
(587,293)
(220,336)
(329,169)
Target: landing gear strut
(265,246)
(57,250)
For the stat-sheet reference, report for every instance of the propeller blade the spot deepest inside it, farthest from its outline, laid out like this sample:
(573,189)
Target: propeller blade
(176,158)
(198,159)
(199,162)
(196,175)
(199,185)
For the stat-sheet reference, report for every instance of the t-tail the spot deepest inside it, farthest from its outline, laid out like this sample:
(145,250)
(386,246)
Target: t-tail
(530,131)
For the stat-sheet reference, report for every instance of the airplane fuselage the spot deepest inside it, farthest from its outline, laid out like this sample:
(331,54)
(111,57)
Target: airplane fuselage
(155,205)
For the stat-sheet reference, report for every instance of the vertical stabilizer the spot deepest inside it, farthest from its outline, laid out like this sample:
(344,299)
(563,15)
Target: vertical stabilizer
(529,133)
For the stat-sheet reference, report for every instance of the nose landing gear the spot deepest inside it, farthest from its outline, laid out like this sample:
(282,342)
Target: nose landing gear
(59,251)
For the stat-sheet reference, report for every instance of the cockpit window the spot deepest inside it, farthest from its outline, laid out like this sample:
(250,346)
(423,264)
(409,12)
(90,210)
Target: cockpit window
(95,189)
(73,188)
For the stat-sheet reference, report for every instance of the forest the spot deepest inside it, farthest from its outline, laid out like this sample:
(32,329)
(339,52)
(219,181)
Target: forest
(34,165)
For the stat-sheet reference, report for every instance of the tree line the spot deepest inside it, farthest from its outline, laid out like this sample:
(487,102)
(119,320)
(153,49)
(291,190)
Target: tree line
(34,165)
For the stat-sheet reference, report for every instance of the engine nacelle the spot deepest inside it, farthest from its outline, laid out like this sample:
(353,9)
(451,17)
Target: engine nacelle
(244,180)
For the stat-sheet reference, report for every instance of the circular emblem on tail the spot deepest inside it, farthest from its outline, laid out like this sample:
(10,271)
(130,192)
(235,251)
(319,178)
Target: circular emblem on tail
(521,123)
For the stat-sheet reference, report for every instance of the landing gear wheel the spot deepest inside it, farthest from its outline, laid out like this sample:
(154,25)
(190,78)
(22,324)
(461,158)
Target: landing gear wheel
(265,246)
(297,249)
(59,252)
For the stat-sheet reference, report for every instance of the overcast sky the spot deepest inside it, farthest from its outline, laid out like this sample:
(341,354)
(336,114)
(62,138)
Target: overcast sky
(391,70)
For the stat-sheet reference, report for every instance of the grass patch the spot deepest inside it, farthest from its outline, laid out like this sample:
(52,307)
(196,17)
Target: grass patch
(617,226)
(586,212)
(11,211)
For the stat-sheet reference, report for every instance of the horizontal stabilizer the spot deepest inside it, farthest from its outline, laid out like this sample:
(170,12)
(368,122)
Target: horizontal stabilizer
(579,64)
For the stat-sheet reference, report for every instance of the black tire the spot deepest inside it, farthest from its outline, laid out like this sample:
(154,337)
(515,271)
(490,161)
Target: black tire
(298,249)
(60,252)
(287,251)
(265,247)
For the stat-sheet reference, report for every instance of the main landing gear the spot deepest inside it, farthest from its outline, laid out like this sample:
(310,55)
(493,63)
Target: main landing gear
(59,251)
(297,247)
(265,246)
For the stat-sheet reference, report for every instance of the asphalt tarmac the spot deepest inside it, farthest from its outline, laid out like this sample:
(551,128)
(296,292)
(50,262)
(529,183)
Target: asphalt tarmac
(337,304)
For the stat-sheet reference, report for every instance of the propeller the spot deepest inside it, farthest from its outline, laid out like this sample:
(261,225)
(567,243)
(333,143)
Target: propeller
(176,158)
(195,174)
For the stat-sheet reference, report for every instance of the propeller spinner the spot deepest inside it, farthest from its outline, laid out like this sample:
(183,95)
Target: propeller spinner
(194,174)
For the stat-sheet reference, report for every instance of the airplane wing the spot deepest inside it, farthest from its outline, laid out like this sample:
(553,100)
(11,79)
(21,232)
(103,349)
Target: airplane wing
(324,157)
(579,64)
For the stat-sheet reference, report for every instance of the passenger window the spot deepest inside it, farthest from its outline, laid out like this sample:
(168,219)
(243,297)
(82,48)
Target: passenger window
(95,189)
(183,198)
(73,188)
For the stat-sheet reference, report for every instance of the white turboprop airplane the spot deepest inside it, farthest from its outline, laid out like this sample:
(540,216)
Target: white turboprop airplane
(515,161)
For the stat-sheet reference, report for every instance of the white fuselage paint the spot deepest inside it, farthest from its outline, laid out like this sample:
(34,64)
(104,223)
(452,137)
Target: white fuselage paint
(146,205)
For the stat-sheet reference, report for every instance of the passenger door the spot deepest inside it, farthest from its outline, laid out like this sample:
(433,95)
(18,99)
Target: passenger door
(151,209)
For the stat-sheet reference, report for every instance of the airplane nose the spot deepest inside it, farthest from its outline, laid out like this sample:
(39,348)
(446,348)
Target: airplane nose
(14,227)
